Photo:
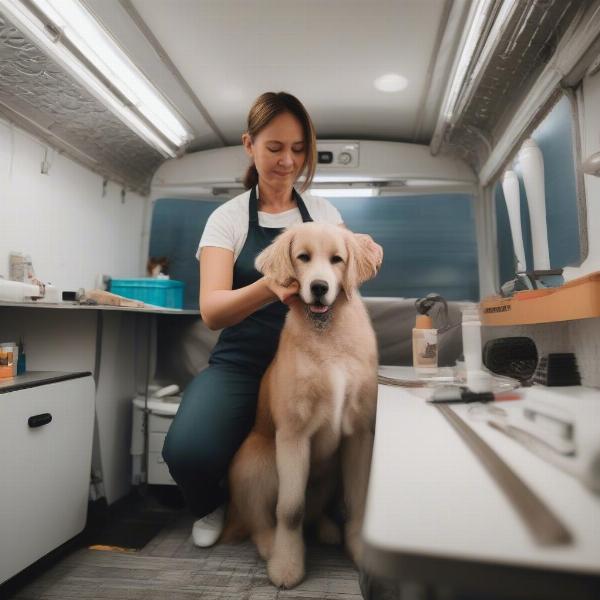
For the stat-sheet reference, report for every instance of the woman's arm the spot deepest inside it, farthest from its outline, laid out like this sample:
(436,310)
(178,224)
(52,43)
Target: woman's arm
(221,306)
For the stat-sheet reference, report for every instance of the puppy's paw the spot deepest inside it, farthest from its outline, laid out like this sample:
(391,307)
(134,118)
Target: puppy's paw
(286,571)
(328,532)
(354,547)
(264,543)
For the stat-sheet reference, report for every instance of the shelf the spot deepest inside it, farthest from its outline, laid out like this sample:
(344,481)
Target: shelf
(36,378)
(576,299)
(76,306)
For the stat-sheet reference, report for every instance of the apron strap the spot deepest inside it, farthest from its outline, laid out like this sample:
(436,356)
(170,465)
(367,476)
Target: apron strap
(306,218)
(253,207)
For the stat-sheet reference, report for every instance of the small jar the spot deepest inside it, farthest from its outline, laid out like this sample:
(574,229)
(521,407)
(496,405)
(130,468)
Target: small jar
(7,360)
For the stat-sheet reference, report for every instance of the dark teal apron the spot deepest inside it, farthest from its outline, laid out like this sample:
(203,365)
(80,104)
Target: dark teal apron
(218,407)
(251,344)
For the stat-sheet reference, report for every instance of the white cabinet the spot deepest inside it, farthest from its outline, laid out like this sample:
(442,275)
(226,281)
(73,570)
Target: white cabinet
(46,433)
(158,472)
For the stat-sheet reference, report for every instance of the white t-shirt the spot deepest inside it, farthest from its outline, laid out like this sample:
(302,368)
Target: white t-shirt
(227,226)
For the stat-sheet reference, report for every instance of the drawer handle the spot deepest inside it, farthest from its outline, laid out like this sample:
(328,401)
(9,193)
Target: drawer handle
(39,420)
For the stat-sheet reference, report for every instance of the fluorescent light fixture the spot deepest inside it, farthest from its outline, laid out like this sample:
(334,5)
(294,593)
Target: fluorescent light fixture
(340,178)
(349,192)
(391,82)
(481,9)
(72,36)
(429,183)
(506,10)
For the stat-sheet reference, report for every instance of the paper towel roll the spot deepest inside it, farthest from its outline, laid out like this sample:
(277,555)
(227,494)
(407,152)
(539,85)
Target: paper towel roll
(510,187)
(532,164)
(15,291)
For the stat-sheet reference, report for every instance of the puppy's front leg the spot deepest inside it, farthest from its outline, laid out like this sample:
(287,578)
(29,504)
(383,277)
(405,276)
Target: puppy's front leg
(356,464)
(286,565)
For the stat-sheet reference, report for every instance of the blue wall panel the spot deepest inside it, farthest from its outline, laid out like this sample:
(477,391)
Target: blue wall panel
(429,242)
(175,232)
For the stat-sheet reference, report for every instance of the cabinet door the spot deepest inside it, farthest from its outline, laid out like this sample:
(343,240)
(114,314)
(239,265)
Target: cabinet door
(44,470)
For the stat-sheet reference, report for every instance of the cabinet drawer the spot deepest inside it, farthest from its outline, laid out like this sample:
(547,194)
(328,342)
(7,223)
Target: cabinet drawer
(158,472)
(159,423)
(156,442)
(45,469)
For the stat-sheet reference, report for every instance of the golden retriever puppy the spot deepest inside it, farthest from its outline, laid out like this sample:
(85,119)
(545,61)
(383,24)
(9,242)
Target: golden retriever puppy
(316,404)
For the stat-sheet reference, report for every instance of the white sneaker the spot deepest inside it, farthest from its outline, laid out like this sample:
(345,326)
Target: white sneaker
(206,531)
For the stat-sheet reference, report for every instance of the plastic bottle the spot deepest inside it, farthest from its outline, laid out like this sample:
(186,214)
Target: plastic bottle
(7,359)
(425,345)
(425,336)
(471,338)
(21,362)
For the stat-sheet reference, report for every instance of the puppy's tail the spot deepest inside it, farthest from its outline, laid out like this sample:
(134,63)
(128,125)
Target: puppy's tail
(234,531)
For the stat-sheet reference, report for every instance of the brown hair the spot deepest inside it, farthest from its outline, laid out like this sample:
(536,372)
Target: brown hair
(265,108)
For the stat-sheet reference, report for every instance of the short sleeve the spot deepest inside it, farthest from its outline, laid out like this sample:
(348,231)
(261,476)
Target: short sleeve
(328,212)
(219,231)
(333,214)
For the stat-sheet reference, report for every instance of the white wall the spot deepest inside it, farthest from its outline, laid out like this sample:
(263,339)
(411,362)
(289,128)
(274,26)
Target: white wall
(72,233)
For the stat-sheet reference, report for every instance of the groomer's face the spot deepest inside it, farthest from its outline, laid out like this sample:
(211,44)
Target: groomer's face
(278,151)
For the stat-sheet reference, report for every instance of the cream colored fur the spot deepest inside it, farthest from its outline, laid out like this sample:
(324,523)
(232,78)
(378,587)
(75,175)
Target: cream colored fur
(316,405)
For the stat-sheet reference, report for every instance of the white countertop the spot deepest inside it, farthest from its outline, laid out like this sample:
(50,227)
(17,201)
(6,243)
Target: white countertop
(35,378)
(75,305)
(430,497)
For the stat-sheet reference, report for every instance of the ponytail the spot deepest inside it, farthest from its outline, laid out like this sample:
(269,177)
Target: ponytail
(251,177)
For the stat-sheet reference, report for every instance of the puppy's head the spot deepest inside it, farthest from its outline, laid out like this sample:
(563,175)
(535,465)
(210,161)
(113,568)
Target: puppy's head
(323,258)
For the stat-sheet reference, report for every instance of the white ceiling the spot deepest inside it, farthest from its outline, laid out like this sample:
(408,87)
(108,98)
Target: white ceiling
(212,58)
(327,52)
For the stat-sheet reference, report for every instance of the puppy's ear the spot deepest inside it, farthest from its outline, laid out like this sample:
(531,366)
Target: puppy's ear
(360,266)
(275,261)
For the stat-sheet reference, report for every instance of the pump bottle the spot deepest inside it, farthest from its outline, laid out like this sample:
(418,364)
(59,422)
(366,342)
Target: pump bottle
(425,345)
(425,336)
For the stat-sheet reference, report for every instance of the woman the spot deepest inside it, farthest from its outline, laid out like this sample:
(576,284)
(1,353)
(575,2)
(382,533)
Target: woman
(218,407)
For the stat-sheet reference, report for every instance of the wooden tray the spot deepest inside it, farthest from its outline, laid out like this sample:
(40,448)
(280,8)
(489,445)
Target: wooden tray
(576,299)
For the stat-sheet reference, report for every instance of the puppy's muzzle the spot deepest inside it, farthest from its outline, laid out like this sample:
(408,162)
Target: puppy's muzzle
(319,289)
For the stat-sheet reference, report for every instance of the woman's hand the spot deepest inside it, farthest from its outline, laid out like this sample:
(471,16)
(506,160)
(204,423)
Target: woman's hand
(288,294)
(373,248)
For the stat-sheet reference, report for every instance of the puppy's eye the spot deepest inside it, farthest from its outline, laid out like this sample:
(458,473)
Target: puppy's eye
(336,259)
(304,257)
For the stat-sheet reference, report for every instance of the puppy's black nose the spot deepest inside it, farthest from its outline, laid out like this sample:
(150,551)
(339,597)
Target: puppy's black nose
(319,288)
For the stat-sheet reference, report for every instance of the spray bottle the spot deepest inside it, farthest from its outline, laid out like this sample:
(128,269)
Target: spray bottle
(425,336)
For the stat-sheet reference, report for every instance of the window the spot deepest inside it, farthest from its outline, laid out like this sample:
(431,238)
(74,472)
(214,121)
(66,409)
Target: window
(555,138)
(428,240)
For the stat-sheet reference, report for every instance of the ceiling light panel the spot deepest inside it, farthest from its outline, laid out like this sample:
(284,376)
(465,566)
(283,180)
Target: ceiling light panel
(391,82)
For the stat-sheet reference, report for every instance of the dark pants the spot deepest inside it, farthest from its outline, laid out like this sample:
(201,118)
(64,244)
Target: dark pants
(216,414)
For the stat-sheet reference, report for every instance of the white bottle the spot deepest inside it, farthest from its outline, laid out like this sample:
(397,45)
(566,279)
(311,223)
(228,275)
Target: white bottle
(471,338)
